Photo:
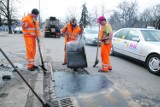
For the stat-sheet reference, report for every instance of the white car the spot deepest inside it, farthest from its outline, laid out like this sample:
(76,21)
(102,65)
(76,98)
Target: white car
(18,29)
(91,36)
(139,43)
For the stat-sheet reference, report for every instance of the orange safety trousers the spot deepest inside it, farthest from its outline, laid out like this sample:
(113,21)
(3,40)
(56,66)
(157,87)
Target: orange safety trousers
(65,54)
(30,50)
(105,56)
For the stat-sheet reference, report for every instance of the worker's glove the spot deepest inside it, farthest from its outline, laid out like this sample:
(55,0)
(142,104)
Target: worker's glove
(102,40)
(66,28)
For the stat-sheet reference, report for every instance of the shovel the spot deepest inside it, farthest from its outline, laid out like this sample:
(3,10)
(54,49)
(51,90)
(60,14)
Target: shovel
(39,48)
(15,69)
(97,61)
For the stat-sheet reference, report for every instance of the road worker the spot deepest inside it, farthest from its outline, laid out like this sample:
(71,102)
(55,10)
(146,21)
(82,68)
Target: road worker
(31,30)
(105,36)
(71,31)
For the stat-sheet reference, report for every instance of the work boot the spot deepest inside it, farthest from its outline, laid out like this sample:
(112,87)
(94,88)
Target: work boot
(35,67)
(100,70)
(31,69)
(110,67)
(64,63)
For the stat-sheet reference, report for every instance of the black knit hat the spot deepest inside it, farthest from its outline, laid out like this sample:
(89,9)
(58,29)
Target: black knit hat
(73,19)
(35,11)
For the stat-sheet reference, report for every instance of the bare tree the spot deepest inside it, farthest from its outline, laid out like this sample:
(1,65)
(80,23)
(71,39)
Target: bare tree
(93,16)
(150,16)
(0,18)
(125,15)
(96,12)
(71,12)
(146,18)
(7,10)
(102,10)
(115,20)
(128,12)
(156,12)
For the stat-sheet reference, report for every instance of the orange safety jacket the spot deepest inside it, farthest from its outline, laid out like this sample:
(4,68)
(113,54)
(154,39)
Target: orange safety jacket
(107,28)
(101,32)
(71,32)
(28,27)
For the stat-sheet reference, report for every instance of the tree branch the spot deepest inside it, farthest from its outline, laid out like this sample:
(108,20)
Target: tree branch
(2,14)
(5,14)
(3,4)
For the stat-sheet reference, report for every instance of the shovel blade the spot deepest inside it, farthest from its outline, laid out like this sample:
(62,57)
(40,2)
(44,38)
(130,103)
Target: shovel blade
(44,69)
(46,105)
(96,62)
(44,102)
(42,66)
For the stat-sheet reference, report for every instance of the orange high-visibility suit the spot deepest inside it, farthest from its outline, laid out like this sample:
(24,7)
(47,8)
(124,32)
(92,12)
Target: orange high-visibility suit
(71,35)
(30,34)
(106,48)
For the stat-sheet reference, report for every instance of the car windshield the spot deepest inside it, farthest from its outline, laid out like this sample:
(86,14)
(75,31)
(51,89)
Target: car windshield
(91,31)
(151,35)
(53,22)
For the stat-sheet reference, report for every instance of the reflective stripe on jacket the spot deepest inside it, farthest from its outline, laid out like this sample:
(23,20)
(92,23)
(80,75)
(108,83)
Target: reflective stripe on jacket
(28,26)
(107,28)
(72,32)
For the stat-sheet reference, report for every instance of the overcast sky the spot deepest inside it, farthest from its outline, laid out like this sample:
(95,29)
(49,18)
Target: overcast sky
(59,8)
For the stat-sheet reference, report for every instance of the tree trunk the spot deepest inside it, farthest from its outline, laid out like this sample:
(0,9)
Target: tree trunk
(9,26)
(0,21)
(158,25)
(9,18)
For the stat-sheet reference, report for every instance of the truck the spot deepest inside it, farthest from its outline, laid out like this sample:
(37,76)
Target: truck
(52,28)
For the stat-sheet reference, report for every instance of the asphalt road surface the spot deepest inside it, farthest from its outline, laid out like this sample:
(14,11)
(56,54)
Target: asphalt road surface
(127,75)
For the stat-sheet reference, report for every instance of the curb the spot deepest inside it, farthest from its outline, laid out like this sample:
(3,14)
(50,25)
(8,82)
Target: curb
(38,89)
